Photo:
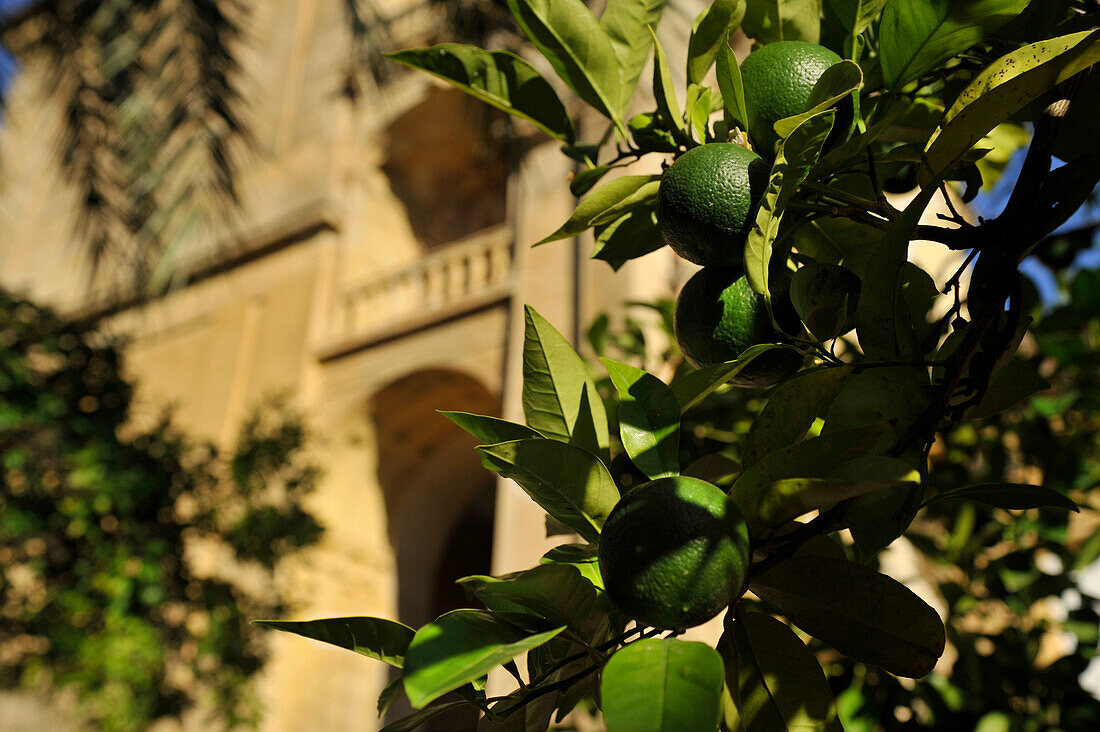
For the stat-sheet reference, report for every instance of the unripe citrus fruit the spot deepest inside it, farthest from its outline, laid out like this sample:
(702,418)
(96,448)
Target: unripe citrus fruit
(718,316)
(674,552)
(778,79)
(707,202)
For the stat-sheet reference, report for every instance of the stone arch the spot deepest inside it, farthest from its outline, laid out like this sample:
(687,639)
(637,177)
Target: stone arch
(452,183)
(439,500)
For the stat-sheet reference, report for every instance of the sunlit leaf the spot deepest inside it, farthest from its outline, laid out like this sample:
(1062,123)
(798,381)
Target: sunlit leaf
(649,419)
(709,32)
(378,638)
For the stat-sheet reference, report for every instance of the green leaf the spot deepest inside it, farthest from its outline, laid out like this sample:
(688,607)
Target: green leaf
(859,612)
(1011,384)
(774,680)
(662,686)
(567,34)
(586,180)
(1009,496)
(417,718)
(791,410)
(731,85)
(378,638)
(796,156)
(918,35)
(786,499)
(710,30)
(554,593)
(837,83)
(490,430)
(1001,89)
(697,112)
(898,393)
(694,387)
(813,458)
(649,419)
(458,648)
(855,15)
(783,20)
(582,556)
(632,235)
(389,695)
(875,520)
(570,484)
(605,204)
(498,78)
(664,92)
(825,298)
(558,394)
(625,23)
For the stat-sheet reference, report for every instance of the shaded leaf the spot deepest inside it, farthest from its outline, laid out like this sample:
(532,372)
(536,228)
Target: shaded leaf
(570,484)
(774,680)
(917,35)
(417,718)
(632,235)
(791,410)
(1011,384)
(692,388)
(709,32)
(855,15)
(460,647)
(498,78)
(662,686)
(378,638)
(664,91)
(789,498)
(649,419)
(1011,496)
(837,83)
(859,612)
(556,594)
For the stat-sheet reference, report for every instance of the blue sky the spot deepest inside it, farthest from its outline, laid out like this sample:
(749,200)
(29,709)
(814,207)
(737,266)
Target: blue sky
(7,63)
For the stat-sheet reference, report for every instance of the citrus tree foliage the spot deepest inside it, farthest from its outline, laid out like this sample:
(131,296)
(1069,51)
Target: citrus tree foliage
(98,523)
(923,91)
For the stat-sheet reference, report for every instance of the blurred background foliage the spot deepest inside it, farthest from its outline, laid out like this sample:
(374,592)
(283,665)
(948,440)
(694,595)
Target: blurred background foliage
(134,558)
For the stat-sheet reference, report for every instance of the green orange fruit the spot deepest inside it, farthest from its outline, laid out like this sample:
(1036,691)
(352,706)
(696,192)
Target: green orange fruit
(778,79)
(674,552)
(707,202)
(719,316)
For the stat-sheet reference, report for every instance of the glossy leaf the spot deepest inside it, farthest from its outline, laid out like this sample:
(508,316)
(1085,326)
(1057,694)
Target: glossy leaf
(568,35)
(498,78)
(553,593)
(783,20)
(458,648)
(694,387)
(600,205)
(1010,496)
(662,686)
(731,85)
(632,235)
(378,638)
(1001,89)
(559,398)
(797,155)
(791,409)
(1011,384)
(649,419)
(625,23)
(774,680)
(709,32)
(918,35)
(859,612)
(812,458)
(582,556)
(490,430)
(570,484)
(837,83)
